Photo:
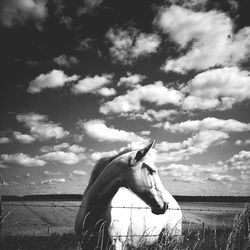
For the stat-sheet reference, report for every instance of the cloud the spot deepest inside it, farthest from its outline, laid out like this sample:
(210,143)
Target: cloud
(181,172)
(145,132)
(18,12)
(240,161)
(68,158)
(53,181)
(98,155)
(79,172)
(89,6)
(197,144)
(243,142)
(85,44)
(23,138)
(187,173)
(98,130)
(153,115)
(40,127)
(177,170)
(4,140)
(209,123)
(54,79)
(2,165)
(65,61)
(189,3)
(155,93)
(231,5)
(106,91)
(207,37)
(47,172)
(130,80)
(128,45)
(221,178)
(92,84)
(63,146)
(217,88)
(23,160)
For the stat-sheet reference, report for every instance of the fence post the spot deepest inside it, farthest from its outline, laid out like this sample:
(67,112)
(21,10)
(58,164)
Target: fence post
(203,230)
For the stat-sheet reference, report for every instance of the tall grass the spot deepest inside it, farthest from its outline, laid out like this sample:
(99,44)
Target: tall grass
(236,238)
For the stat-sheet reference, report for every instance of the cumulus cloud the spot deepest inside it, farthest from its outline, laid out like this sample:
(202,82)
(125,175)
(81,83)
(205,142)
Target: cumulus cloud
(145,132)
(200,4)
(47,172)
(40,128)
(98,130)
(93,85)
(65,61)
(98,155)
(130,80)
(23,160)
(68,158)
(4,140)
(18,12)
(23,138)
(89,6)
(106,91)
(79,172)
(240,161)
(243,142)
(85,44)
(155,93)
(210,34)
(53,181)
(177,170)
(209,123)
(128,45)
(153,115)
(2,165)
(197,144)
(221,178)
(63,153)
(63,146)
(54,79)
(194,172)
(203,5)
(217,88)
(181,172)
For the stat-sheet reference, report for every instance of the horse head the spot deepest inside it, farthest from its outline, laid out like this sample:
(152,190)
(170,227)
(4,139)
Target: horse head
(143,180)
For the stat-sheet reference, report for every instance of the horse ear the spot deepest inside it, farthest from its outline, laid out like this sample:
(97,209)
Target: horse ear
(141,153)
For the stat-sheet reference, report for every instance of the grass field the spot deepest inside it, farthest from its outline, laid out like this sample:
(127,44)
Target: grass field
(207,238)
(44,217)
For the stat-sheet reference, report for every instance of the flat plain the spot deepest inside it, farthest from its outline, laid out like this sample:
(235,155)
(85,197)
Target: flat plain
(46,217)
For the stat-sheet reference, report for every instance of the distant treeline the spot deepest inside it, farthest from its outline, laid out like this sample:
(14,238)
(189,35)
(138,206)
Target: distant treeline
(78,197)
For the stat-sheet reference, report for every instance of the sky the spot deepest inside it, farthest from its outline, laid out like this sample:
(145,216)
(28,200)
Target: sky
(85,79)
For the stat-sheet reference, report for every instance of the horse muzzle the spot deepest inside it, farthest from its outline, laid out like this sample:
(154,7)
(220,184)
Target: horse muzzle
(160,209)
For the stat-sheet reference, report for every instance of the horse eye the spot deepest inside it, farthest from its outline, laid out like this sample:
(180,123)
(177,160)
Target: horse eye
(150,170)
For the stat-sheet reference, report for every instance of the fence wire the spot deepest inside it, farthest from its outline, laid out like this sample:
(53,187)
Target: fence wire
(50,228)
(119,207)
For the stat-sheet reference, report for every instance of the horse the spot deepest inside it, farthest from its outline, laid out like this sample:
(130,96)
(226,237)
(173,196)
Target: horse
(125,204)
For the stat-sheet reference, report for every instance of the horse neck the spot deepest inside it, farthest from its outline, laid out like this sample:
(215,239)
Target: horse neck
(106,185)
(97,199)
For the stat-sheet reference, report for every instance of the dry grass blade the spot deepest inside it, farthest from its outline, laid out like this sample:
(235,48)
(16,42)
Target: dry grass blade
(239,238)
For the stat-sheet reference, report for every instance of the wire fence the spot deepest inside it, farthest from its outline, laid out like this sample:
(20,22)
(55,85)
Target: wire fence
(49,228)
(118,207)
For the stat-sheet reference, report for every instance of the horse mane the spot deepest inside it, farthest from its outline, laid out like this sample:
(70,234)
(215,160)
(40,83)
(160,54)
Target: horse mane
(102,163)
